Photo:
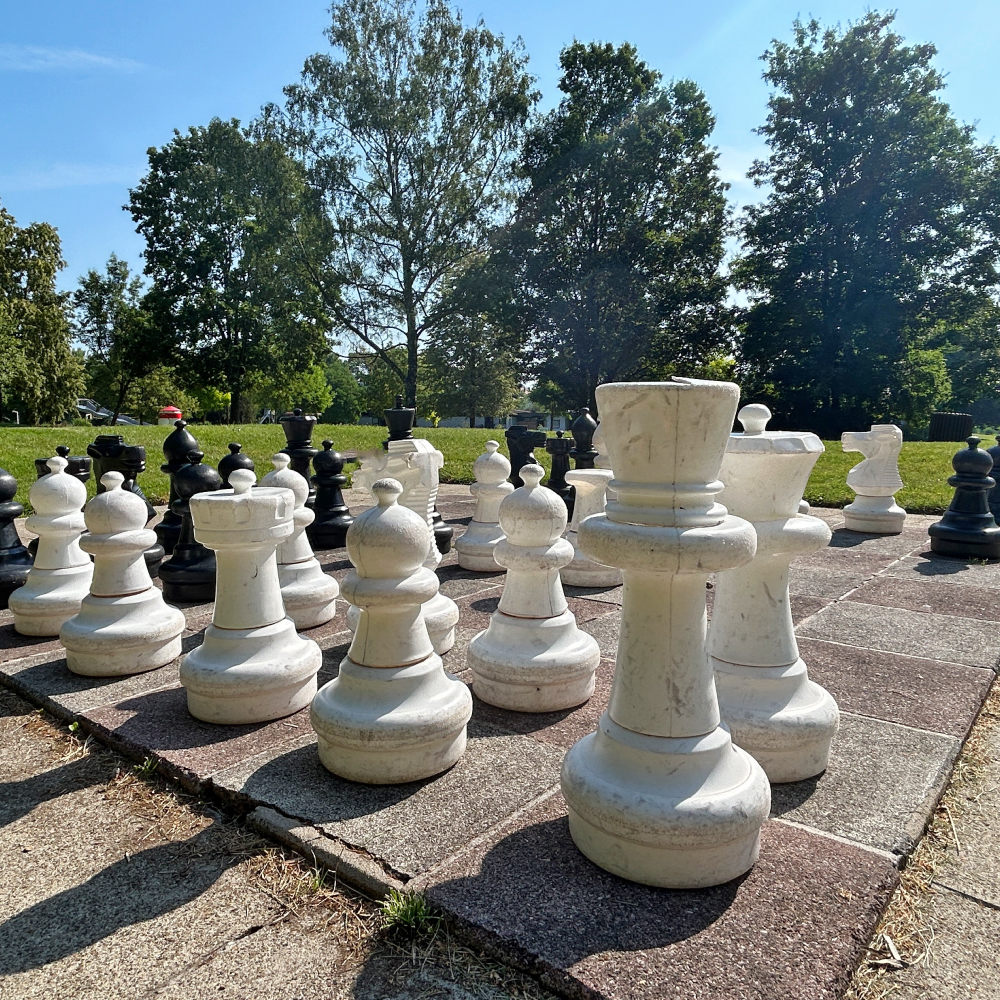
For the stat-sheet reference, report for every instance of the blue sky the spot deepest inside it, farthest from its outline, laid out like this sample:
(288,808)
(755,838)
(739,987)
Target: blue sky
(85,88)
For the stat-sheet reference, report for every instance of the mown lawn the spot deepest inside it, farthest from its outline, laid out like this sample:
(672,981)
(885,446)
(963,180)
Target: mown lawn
(924,466)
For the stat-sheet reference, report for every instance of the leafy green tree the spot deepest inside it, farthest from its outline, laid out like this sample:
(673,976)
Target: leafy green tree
(233,235)
(615,248)
(409,131)
(378,378)
(282,391)
(877,245)
(346,406)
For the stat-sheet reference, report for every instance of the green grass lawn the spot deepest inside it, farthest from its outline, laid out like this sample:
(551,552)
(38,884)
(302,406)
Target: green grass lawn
(924,466)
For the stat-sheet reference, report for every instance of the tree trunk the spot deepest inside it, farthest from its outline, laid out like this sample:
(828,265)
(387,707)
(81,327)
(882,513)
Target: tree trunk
(122,390)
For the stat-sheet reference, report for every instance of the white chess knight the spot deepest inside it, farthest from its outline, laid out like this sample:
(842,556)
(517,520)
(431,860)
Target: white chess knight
(124,626)
(253,666)
(875,480)
(60,578)
(392,714)
(533,658)
(772,708)
(476,544)
(659,794)
(309,595)
(415,463)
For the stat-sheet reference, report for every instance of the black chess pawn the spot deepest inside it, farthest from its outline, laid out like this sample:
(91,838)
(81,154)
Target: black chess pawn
(189,573)
(298,428)
(329,529)
(521,444)
(967,530)
(582,429)
(559,448)
(15,561)
(78,466)
(993,497)
(179,443)
(233,461)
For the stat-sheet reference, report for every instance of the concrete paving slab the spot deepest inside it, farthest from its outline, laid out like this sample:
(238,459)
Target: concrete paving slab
(605,630)
(913,536)
(605,595)
(821,581)
(793,928)
(14,646)
(880,788)
(929,596)
(925,565)
(457,582)
(914,633)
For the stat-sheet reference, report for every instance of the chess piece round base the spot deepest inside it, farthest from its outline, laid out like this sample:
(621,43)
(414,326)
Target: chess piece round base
(681,813)
(250,675)
(440,615)
(117,636)
(50,598)
(475,547)
(875,515)
(959,544)
(584,572)
(389,725)
(309,595)
(784,720)
(533,665)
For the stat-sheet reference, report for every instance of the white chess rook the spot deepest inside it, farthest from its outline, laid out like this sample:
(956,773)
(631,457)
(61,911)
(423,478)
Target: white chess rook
(124,626)
(392,714)
(533,658)
(476,544)
(253,666)
(659,794)
(309,595)
(60,578)
(772,708)
(875,480)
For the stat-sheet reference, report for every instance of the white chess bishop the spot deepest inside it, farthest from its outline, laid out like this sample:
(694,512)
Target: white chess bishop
(875,480)
(772,708)
(475,546)
(253,666)
(124,626)
(392,714)
(533,657)
(309,595)
(659,794)
(59,579)
(415,464)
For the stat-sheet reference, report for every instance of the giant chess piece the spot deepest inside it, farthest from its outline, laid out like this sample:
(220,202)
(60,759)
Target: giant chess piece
(298,428)
(533,658)
(559,448)
(60,577)
(475,546)
(77,466)
(233,461)
(392,714)
(189,574)
(659,794)
(591,486)
(310,595)
(766,698)
(15,561)
(582,429)
(993,497)
(177,445)
(329,530)
(521,444)
(124,626)
(967,530)
(253,666)
(875,480)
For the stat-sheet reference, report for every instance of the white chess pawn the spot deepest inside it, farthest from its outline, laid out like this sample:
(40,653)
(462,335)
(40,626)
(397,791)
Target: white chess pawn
(533,658)
(659,794)
(875,480)
(253,666)
(591,495)
(475,546)
(772,708)
(124,626)
(60,578)
(310,595)
(392,714)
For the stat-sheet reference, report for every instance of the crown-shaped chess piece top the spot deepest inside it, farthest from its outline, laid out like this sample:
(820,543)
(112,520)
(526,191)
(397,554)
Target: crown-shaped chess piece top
(329,529)
(582,429)
(233,461)
(967,530)
(400,419)
(475,546)
(392,714)
(15,561)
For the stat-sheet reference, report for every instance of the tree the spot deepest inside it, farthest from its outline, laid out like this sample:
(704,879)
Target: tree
(409,133)
(229,223)
(877,245)
(39,370)
(346,406)
(616,244)
(378,378)
(306,387)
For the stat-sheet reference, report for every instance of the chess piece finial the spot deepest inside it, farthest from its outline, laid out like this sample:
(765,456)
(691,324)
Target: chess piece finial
(475,546)
(967,529)
(754,418)
(15,560)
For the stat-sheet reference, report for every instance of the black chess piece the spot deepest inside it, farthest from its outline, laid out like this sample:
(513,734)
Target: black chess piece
(233,461)
(298,428)
(521,444)
(993,498)
(582,429)
(967,530)
(189,573)
(15,561)
(176,447)
(76,465)
(329,529)
(559,448)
